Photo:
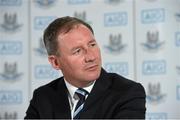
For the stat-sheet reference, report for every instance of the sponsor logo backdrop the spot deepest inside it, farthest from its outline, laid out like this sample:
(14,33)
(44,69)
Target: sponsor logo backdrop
(139,39)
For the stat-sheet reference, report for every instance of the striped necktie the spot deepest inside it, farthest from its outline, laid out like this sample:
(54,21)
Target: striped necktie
(81,93)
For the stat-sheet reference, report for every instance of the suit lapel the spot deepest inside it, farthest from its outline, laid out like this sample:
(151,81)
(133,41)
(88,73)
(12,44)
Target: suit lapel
(99,90)
(61,104)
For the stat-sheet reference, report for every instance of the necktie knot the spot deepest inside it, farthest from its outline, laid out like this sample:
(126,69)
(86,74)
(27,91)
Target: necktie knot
(81,93)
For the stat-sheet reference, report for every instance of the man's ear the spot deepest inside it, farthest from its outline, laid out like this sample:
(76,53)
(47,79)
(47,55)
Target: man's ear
(54,62)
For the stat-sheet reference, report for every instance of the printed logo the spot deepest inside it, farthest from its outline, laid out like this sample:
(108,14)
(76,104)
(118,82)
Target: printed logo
(153,43)
(177,16)
(45,3)
(8,115)
(10,72)
(177,39)
(154,67)
(152,16)
(115,19)
(156,116)
(117,67)
(178,69)
(151,0)
(115,44)
(45,72)
(10,97)
(178,92)
(10,47)
(41,50)
(10,23)
(154,95)
(113,2)
(10,2)
(82,16)
(41,22)
(78,1)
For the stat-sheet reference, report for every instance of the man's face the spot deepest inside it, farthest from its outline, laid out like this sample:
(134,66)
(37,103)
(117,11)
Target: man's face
(80,58)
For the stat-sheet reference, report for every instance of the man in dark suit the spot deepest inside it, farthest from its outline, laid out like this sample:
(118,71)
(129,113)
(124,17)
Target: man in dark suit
(86,90)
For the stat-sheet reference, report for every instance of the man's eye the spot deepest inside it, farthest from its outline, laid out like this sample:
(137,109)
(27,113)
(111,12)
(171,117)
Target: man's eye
(77,51)
(93,44)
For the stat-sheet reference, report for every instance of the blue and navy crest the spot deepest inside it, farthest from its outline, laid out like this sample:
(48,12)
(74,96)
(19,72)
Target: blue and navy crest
(115,44)
(10,72)
(41,50)
(45,3)
(154,95)
(10,23)
(153,43)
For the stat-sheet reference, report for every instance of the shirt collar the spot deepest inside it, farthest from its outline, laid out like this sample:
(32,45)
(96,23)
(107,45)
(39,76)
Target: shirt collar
(72,89)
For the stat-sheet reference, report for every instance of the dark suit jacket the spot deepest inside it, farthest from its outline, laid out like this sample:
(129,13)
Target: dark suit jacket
(111,97)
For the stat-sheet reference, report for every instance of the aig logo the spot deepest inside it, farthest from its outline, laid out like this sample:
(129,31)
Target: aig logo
(117,67)
(10,47)
(11,97)
(10,2)
(9,115)
(153,16)
(41,22)
(78,1)
(178,92)
(45,72)
(154,67)
(156,116)
(177,39)
(115,19)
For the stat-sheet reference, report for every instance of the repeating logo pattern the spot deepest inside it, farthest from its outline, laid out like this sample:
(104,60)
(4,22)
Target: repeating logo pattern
(10,97)
(10,23)
(113,2)
(177,16)
(154,67)
(82,15)
(117,67)
(41,50)
(154,95)
(41,22)
(8,115)
(178,92)
(79,1)
(45,72)
(10,47)
(45,3)
(153,43)
(115,45)
(177,39)
(157,116)
(113,19)
(10,72)
(150,16)
(10,2)
(178,69)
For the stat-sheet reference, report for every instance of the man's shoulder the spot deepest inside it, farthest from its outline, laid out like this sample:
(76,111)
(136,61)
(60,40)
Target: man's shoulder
(51,86)
(122,83)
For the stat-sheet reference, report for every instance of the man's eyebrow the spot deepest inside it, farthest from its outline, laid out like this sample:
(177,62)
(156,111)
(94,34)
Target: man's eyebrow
(92,40)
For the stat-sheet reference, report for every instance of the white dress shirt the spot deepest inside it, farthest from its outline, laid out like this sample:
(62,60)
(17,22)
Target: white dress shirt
(73,98)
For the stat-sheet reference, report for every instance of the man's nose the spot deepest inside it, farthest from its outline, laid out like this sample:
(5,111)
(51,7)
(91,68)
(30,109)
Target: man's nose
(89,56)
